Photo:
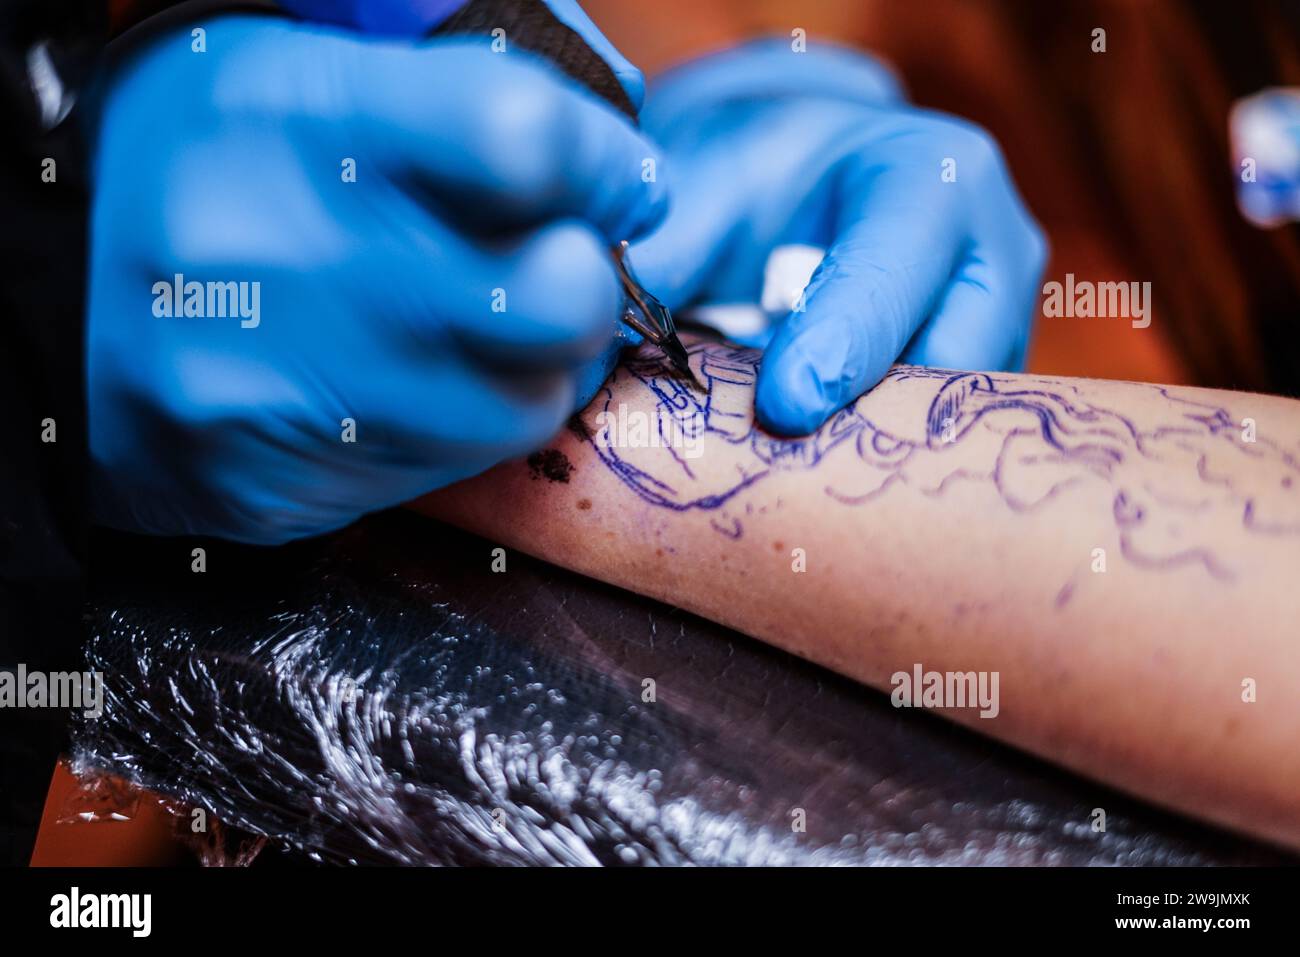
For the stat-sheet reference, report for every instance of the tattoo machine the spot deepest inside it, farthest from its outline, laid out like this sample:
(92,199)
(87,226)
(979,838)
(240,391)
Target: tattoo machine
(650,317)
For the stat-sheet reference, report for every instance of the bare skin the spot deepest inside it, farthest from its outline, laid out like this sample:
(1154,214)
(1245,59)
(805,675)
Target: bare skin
(1125,556)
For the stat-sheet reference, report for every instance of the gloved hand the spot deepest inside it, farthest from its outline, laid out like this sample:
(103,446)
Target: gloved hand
(445,303)
(767,147)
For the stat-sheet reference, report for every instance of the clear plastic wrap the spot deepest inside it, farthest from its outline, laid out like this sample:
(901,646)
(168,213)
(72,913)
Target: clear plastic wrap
(381,696)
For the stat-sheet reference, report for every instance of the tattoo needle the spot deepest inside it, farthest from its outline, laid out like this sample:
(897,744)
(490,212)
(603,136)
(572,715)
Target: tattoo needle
(650,317)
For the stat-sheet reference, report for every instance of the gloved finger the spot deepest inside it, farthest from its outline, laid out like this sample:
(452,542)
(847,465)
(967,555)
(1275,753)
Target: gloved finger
(416,427)
(443,413)
(899,239)
(547,299)
(504,138)
(985,317)
(629,77)
(767,69)
(418,422)
(699,253)
(678,259)
(973,327)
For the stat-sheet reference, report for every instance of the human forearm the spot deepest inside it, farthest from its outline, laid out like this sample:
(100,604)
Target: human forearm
(962,522)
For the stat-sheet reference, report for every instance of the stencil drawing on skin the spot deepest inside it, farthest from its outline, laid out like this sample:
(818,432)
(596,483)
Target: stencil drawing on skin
(1035,447)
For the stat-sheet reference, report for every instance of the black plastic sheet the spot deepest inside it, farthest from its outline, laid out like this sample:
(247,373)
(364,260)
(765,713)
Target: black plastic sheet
(382,696)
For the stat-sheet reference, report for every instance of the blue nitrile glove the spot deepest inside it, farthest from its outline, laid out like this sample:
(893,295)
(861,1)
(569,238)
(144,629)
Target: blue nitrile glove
(383,313)
(765,147)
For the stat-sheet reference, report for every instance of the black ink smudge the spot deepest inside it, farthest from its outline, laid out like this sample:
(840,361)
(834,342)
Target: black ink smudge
(551,464)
